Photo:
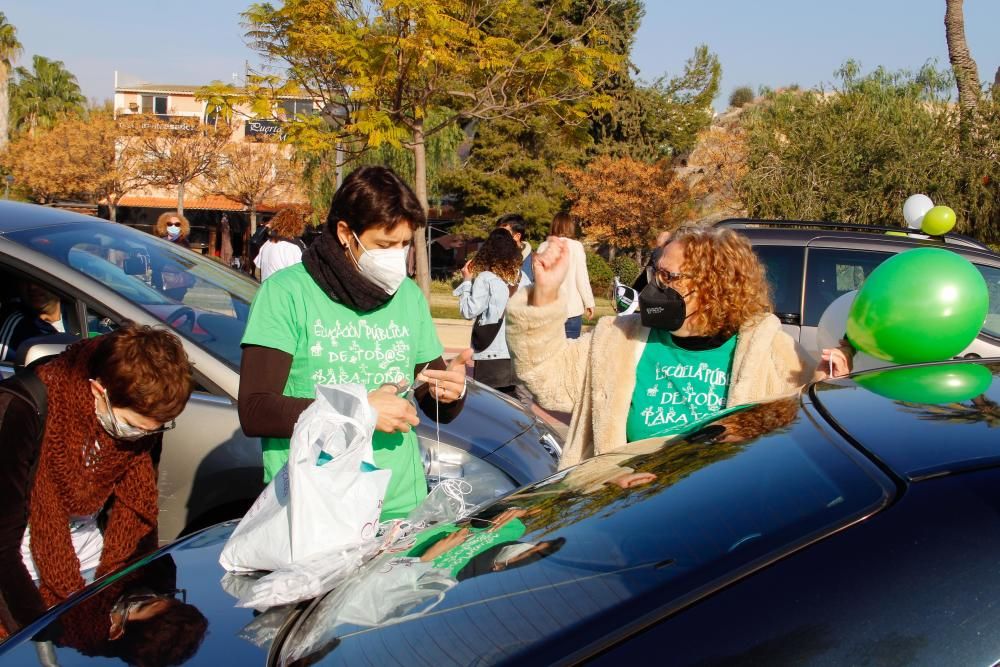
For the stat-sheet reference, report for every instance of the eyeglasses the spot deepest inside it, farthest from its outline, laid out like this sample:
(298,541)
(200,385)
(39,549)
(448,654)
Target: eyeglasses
(124,607)
(662,278)
(128,431)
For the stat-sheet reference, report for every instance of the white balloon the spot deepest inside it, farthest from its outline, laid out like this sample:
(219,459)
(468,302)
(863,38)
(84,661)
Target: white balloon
(915,208)
(833,325)
(833,322)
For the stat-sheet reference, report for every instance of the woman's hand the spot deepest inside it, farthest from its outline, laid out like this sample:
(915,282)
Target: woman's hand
(395,414)
(445,544)
(588,313)
(550,268)
(467,270)
(836,360)
(448,385)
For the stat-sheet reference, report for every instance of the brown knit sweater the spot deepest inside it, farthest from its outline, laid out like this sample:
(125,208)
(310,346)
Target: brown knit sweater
(81,470)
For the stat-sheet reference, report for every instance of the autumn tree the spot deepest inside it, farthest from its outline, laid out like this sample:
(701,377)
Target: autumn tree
(77,158)
(251,172)
(622,203)
(10,49)
(177,157)
(378,68)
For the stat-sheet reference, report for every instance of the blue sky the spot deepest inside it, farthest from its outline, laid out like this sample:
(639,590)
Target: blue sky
(760,42)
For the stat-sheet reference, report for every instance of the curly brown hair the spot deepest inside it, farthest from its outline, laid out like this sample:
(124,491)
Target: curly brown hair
(729,278)
(500,255)
(143,369)
(160,229)
(289,222)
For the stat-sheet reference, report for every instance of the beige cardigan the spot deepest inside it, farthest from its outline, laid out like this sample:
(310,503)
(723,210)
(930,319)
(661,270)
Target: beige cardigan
(594,376)
(575,289)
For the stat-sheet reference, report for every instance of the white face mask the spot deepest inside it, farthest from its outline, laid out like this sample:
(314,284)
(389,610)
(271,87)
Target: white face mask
(386,268)
(173,231)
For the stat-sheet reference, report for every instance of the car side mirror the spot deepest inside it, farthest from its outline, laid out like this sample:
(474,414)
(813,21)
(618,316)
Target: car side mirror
(135,266)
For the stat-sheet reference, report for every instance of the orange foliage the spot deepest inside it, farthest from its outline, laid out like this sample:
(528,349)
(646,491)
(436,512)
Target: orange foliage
(623,203)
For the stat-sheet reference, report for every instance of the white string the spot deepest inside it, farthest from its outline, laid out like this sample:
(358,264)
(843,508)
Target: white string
(437,428)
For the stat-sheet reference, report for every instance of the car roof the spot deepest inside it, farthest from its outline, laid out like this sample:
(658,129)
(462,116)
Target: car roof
(802,232)
(920,421)
(15,216)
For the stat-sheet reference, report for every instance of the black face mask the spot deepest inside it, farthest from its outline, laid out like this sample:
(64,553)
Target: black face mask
(662,308)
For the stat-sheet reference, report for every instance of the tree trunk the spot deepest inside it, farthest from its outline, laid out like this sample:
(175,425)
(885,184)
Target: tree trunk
(962,64)
(226,246)
(112,210)
(4,105)
(420,189)
(611,253)
(180,198)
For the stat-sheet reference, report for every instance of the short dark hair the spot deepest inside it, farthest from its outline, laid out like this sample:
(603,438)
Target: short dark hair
(374,197)
(514,221)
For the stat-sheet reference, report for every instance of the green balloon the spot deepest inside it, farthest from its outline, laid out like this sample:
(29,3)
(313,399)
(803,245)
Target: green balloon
(947,383)
(925,304)
(937,221)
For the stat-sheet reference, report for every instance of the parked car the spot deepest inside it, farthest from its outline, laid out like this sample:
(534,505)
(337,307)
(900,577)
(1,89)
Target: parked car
(105,273)
(848,525)
(810,264)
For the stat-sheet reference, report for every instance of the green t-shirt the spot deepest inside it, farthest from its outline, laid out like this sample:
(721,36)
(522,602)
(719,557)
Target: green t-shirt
(331,343)
(479,540)
(677,388)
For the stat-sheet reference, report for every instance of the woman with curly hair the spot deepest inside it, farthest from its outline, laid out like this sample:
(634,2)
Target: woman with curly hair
(497,271)
(93,455)
(173,227)
(705,339)
(283,247)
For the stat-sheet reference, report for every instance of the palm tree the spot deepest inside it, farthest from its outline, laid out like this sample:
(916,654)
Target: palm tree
(962,63)
(43,94)
(10,49)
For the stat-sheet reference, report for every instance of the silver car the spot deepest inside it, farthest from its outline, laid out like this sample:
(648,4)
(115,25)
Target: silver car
(106,273)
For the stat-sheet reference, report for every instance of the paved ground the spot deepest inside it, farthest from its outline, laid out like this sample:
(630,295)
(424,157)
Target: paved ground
(455,336)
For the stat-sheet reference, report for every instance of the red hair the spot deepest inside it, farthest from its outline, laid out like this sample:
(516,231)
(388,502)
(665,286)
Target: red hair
(145,370)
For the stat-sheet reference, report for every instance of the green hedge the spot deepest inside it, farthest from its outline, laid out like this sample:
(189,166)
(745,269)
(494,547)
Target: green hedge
(601,276)
(626,269)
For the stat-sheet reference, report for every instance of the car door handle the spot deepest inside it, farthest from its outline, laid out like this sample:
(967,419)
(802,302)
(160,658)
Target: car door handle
(790,318)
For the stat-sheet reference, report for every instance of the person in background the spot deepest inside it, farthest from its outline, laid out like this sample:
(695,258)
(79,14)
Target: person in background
(575,290)
(515,224)
(705,340)
(109,399)
(39,313)
(497,271)
(642,279)
(284,246)
(173,227)
(349,314)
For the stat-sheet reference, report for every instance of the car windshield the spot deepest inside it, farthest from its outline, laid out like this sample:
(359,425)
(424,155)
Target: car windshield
(193,294)
(643,530)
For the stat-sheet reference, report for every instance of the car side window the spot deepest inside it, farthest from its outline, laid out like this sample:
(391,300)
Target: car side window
(832,272)
(992,276)
(784,274)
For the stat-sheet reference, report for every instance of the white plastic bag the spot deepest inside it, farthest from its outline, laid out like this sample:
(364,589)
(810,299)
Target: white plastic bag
(315,505)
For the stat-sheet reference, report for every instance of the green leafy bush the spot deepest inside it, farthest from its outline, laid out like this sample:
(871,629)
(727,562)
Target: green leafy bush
(601,276)
(741,97)
(626,269)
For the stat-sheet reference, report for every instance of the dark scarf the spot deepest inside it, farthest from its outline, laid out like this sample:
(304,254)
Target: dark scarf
(326,261)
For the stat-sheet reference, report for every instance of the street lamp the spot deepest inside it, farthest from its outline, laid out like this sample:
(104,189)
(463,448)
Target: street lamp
(7,183)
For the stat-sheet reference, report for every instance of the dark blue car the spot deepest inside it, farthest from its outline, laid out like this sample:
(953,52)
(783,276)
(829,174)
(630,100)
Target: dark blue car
(856,523)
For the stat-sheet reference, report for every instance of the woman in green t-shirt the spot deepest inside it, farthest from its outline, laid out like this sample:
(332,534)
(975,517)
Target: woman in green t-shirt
(349,314)
(705,340)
